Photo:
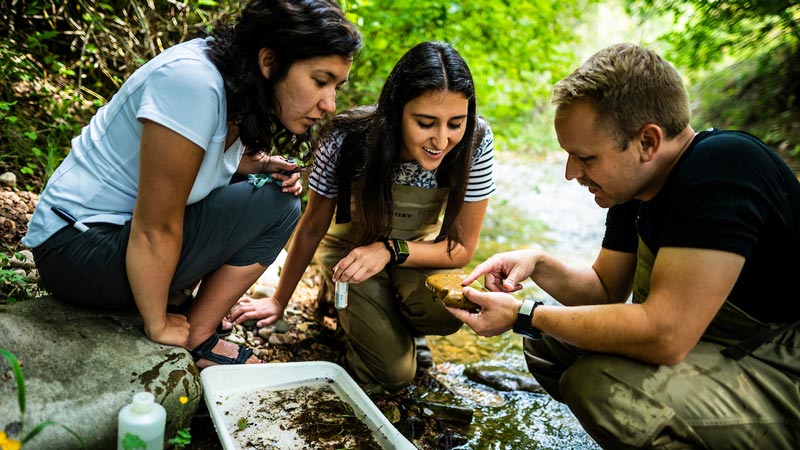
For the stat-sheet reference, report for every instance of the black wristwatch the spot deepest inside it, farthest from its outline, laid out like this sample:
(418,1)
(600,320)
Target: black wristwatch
(400,251)
(524,326)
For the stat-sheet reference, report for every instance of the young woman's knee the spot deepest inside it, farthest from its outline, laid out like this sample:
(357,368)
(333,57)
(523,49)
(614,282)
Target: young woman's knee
(394,375)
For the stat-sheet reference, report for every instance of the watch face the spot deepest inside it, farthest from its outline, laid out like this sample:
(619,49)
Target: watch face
(402,246)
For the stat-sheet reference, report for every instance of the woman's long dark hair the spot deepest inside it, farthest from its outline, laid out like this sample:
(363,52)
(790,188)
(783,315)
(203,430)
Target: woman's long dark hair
(373,138)
(294,30)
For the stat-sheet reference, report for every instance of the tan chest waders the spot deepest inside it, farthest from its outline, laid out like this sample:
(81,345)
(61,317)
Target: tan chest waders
(386,312)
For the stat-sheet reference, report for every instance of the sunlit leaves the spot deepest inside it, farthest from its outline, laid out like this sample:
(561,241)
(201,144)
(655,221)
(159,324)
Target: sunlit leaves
(516,49)
(708,31)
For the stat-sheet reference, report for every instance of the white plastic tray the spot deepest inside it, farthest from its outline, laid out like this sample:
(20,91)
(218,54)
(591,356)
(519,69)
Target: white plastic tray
(222,383)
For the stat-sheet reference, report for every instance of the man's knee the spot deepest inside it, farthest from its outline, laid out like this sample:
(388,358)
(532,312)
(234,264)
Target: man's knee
(541,361)
(604,394)
(585,382)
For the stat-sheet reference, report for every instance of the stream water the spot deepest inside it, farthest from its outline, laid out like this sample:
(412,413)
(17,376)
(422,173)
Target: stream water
(534,206)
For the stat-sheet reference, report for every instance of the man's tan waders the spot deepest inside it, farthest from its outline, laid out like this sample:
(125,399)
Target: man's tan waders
(387,311)
(706,401)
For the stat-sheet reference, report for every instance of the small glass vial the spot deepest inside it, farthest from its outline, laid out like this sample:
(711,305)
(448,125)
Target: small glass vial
(143,418)
(340,295)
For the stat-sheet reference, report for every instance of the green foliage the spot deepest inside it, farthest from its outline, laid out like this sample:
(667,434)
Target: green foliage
(184,436)
(741,56)
(35,108)
(61,60)
(516,51)
(19,378)
(13,285)
(709,31)
(760,95)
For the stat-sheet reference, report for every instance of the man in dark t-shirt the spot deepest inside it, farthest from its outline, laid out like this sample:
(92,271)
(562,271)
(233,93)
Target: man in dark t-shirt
(702,230)
(728,192)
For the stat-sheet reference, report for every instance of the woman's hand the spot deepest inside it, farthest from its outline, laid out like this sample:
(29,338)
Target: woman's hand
(289,183)
(174,331)
(283,170)
(266,311)
(280,169)
(362,263)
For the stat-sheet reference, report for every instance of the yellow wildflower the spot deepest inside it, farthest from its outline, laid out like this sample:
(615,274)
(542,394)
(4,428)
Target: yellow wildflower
(6,443)
(184,399)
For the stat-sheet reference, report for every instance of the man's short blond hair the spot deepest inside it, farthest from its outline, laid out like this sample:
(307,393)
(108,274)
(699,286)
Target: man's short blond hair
(630,86)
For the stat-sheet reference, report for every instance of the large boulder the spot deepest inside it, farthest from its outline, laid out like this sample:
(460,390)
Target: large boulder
(82,366)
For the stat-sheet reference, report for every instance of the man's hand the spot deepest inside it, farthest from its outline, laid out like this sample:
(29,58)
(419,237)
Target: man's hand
(505,271)
(497,314)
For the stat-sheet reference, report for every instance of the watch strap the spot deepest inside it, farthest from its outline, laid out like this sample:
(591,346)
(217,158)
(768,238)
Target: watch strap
(523,325)
(392,253)
(400,250)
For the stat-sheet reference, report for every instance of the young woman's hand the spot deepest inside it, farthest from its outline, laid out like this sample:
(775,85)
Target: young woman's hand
(361,263)
(174,331)
(266,311)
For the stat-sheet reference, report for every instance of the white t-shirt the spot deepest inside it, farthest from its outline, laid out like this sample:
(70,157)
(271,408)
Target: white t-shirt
(481,181)
(180,89)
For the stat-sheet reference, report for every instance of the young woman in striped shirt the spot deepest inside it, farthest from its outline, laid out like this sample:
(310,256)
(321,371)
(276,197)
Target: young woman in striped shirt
(408,182)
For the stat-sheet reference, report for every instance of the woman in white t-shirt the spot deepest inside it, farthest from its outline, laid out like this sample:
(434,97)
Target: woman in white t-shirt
(143,208)
(386,173)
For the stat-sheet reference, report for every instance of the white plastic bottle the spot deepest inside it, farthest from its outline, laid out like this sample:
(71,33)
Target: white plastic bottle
(144,418)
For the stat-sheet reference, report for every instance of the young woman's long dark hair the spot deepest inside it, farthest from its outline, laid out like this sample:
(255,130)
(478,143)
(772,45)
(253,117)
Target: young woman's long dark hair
(294,30)
(373,138)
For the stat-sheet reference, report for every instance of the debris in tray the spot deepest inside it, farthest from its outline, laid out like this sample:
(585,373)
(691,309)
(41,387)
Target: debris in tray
(308,416)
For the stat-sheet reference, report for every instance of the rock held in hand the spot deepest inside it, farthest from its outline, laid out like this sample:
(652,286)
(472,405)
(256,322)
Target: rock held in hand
(447,288)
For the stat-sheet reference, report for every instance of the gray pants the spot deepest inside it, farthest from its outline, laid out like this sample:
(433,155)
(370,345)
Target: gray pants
(707,401)
(234,225)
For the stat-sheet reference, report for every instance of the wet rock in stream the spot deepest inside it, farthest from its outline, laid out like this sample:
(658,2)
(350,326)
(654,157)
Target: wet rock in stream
(503,380)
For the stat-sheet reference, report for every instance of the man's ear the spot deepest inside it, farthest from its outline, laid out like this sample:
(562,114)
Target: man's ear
(650,138)
(266,57)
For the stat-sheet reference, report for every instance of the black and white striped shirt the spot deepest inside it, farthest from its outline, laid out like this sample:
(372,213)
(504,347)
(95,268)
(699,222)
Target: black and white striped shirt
(481,180)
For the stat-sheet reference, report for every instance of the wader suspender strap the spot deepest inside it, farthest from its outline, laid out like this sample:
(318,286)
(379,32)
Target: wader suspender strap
(343,204)
(745,347)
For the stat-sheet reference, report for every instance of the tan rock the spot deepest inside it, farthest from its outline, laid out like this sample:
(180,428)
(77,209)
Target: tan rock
(447,288)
